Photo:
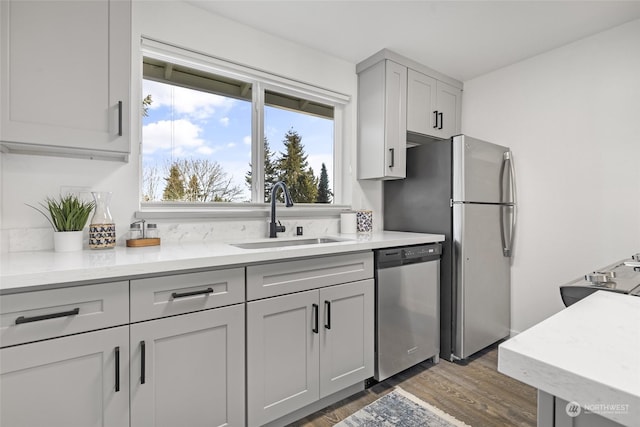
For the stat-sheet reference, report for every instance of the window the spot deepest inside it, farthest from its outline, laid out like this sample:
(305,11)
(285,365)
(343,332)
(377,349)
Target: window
(209,128)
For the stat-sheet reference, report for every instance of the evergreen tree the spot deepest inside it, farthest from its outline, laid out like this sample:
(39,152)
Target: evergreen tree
(295,171)
(324,193)
(270,171)
(174,190)
(193,192)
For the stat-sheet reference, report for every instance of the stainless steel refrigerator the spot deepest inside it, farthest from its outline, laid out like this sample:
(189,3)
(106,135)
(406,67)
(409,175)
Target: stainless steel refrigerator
(463,188)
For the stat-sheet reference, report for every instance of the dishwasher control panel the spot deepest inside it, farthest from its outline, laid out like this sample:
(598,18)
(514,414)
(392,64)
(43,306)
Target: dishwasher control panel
(391,257)
(421,251)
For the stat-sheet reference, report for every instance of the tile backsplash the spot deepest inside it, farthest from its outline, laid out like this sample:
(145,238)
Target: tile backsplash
(37,239)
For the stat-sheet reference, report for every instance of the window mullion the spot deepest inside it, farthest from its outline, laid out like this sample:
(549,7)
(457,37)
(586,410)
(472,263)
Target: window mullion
(257,144)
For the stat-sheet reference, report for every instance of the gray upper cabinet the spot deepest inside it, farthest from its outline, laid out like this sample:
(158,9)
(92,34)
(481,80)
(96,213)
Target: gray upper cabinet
(382,125)
(433,106)
(65,77)
(398,97)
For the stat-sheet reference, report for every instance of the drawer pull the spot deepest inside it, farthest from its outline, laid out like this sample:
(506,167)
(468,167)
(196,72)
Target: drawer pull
(23,319)
(190,294)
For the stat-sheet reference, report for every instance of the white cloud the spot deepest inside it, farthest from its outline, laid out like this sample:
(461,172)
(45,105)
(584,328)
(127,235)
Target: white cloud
(247,140)
(167,135)
(195,104)
(231,145)
(224,121)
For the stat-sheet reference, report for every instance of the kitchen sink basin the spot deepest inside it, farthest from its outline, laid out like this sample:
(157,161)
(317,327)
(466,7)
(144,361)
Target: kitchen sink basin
(284,243)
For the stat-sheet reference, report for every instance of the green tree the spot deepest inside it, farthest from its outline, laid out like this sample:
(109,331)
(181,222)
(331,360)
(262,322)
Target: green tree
(294,170)
(193,190)
(174,190)
(324,192)
(270,171)
(146,102)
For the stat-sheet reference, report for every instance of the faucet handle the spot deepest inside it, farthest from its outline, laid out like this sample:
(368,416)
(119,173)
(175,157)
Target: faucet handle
(280,228)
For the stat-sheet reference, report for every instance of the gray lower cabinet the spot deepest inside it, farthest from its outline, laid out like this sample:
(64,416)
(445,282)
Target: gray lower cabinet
(75,381)
(189,369)
(305,346)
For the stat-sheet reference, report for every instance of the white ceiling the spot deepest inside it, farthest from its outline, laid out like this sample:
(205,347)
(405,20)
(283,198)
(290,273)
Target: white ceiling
(463,39)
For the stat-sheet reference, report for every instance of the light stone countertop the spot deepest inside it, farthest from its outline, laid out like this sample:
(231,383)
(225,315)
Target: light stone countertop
(588,353)
(36,270)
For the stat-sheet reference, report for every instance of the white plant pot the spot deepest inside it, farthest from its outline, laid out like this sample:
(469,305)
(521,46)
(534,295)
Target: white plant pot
(67,241)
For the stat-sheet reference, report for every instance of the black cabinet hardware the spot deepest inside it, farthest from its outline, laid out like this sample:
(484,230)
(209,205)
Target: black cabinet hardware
(23,319)
(441,119)
(119,118)
(117,369)
(327,306)
(435,113)
(392,157)
(190,294)
(315,317)
(142,362)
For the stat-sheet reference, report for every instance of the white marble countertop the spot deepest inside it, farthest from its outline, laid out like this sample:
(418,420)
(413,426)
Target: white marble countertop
(27,271)
(588,353)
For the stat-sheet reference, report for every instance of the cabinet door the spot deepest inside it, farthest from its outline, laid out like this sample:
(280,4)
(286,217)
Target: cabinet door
(282,355)
(75,381)
(421,103)
(449,100)
(189,369)
(382,121)
(65,75)
(396,121)
(347,337)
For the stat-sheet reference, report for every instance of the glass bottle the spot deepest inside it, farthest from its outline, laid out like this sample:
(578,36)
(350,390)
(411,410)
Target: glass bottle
(102,229)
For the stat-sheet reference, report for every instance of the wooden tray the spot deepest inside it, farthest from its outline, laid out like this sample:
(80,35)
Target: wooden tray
(139,243)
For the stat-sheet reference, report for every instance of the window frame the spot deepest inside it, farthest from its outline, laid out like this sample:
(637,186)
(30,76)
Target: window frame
(261,81)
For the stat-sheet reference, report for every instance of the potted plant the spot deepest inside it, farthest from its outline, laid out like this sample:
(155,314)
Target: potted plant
(67,216)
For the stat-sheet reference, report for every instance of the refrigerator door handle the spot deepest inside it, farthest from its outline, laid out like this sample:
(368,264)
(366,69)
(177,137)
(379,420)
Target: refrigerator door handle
(507,247)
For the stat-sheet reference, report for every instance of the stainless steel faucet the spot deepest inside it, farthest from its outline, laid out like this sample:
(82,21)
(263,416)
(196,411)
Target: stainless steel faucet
(274,227)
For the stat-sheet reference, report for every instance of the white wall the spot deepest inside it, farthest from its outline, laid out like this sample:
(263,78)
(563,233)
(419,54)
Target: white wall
(572,119)
(29,179)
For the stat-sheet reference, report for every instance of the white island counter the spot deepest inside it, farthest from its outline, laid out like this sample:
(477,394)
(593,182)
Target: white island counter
(589,354)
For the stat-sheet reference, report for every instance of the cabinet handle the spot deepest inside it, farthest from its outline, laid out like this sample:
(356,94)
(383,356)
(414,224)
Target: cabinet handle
(441,119)
(119,118)
(315,316)
(142,362)
(190,294)
(117,369)
(327,306)
(435,113)
(23,319)
(392,157)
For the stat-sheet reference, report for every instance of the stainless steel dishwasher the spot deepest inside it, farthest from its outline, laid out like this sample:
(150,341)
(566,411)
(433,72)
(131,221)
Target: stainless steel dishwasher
(407,307)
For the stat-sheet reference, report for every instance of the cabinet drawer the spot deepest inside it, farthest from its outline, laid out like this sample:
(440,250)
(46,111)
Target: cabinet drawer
(183,293)
(33,316)
(280,278)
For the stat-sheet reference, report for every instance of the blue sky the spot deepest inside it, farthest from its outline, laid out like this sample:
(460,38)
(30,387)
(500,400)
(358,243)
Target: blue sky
(184,123)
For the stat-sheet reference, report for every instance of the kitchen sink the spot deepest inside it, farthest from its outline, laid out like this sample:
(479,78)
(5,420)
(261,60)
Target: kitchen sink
(284,243)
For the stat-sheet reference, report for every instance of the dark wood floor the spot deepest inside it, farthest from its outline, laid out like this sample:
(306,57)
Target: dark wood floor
(473,392)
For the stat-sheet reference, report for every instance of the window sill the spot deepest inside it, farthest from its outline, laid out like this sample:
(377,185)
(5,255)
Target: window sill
(236,211)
